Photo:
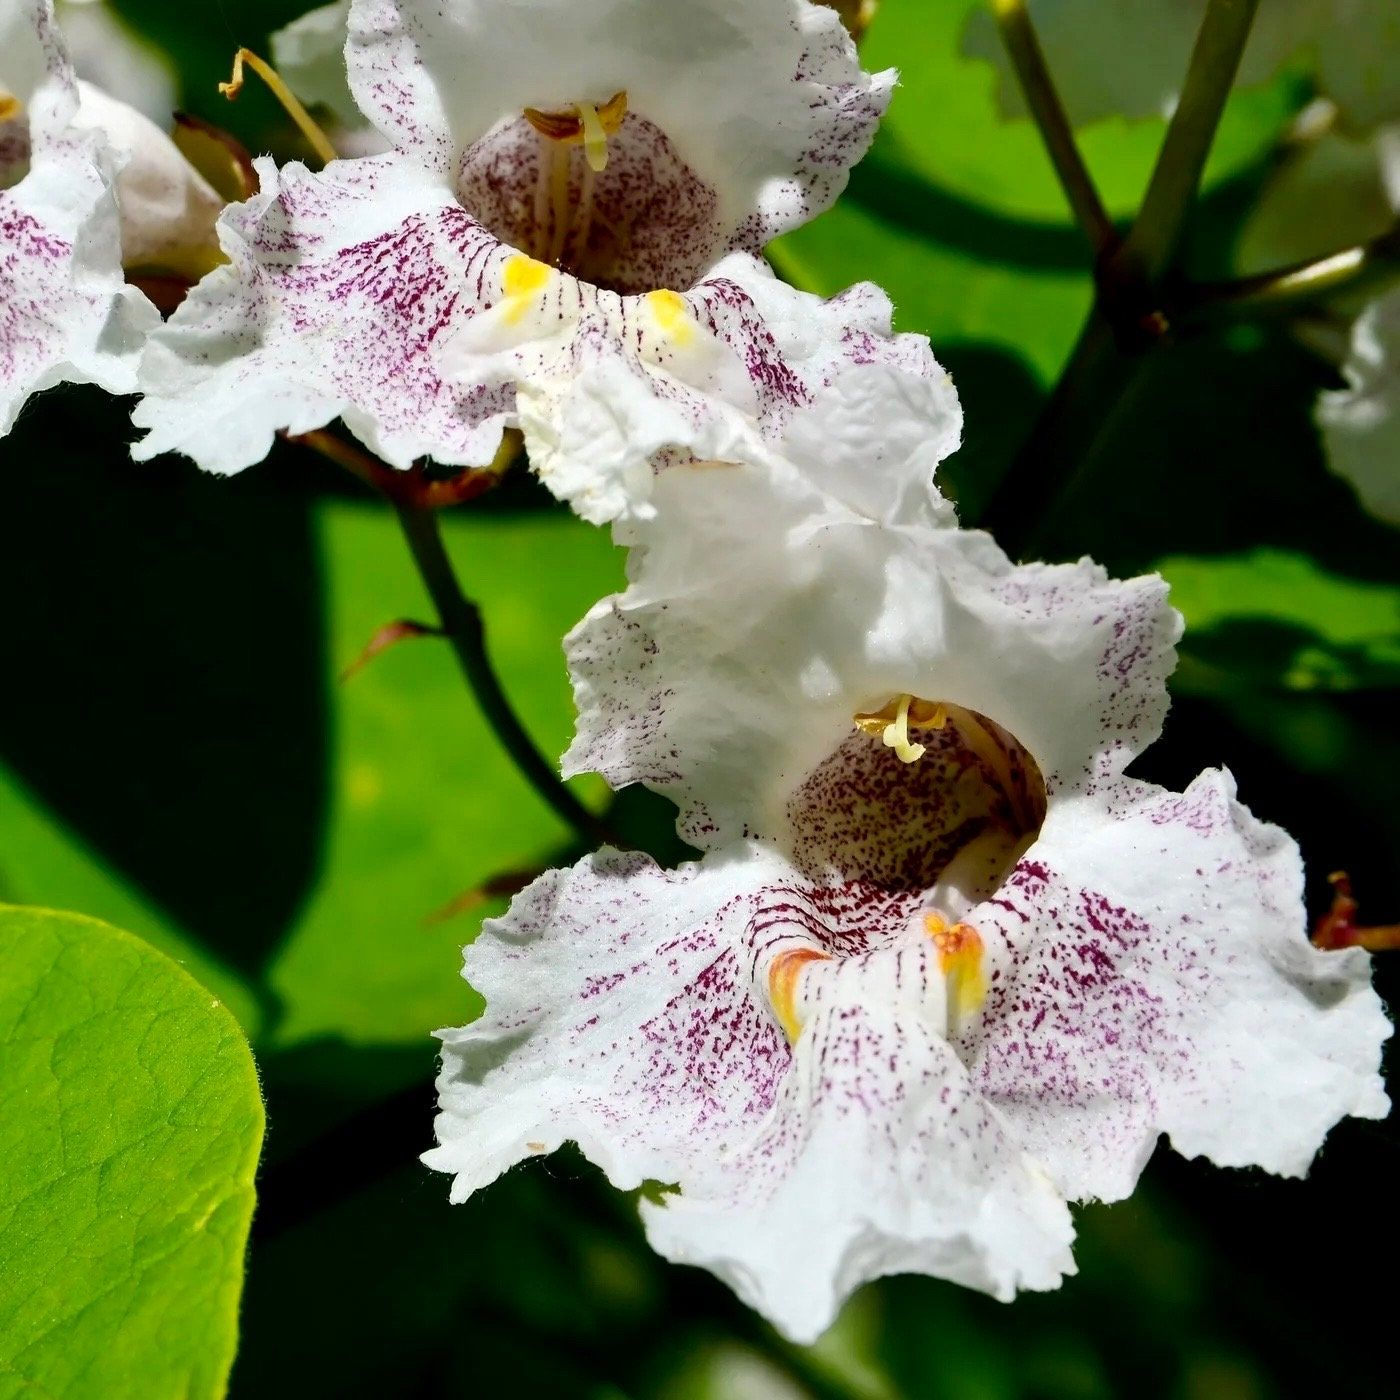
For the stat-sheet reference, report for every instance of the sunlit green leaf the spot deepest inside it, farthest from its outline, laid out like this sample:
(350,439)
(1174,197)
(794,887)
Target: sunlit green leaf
(132,1127)
(1279,619)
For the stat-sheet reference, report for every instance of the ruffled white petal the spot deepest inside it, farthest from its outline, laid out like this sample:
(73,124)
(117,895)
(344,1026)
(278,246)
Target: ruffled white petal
(168,210)
(115,59)
(618,1016)
(337,291)
(65,312)
(879,1157)
(726,688)
(612,388)
(623,1013)
(1361,423)
(1154,975)
(767,103)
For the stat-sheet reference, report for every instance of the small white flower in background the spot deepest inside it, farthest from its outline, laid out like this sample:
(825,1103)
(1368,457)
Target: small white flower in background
(1333,192)
(115,59)
(567,240)
(66,313)
(942,967)
(1128,57)
(1361,423)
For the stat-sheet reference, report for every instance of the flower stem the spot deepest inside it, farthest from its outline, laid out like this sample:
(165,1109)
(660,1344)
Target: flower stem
(462,625)
(1091,387)
(1155,239)
(1033,74)
(1351,269)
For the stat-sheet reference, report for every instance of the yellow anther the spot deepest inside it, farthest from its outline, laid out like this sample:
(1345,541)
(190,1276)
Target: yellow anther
(595,139)
(783,977)
(895,735)
(10,106)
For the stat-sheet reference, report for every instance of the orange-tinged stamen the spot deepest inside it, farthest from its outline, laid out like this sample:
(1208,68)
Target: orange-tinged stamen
(783,977)
(10,106)
(960,951)
(1338,928)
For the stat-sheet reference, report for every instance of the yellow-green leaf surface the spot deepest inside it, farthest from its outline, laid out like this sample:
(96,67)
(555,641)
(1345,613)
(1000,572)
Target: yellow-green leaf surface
(132,1125)
(1280,620)
(425,805)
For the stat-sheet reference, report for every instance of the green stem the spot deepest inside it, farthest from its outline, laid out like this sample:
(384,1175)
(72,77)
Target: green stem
(1354,270)
(461,623)
(1155,240)
(1033,74)
(1093,384)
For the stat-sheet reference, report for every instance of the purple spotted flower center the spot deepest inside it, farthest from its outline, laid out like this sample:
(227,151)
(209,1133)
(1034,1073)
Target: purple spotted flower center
(644,222)
(919,797)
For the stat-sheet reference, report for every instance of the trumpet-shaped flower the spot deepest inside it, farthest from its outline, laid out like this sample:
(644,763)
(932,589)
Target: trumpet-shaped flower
(564,237)
(1129,58)
(65,312)
(942,967)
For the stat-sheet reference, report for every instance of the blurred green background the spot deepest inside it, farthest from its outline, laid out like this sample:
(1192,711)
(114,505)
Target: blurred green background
(178,756)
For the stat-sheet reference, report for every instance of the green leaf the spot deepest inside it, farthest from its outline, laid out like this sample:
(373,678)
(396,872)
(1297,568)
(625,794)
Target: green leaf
(945,121)
(1277,619)
(425,805)
(133,1123)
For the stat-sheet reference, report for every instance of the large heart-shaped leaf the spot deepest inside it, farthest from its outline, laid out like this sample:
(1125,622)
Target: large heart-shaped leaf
(133,1122)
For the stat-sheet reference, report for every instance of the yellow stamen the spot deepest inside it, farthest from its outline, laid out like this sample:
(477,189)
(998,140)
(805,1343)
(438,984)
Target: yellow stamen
(559,162)
(595,138)
(10,106)
(318,140)
(960,951)
(896,734)
(783,978)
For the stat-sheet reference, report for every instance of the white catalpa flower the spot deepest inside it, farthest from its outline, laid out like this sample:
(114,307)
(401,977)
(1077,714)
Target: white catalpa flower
(1128,58)
(564,237)
(65,312)
(1361,423)
(1337,191)
(942,967)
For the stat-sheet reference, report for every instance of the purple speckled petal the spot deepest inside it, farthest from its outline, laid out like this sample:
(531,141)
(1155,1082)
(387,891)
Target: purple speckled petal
(618,1015)
(338,289)
(1154,975)
(879,1157)
(627,1011)
(727,689)
(766,103)
(613,388)
(65,312)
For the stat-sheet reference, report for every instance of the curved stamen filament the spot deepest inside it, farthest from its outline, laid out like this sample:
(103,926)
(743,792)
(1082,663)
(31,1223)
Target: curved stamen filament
(317,139)
(896,734)
(595,137)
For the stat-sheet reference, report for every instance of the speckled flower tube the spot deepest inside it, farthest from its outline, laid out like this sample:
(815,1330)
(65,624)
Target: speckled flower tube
(942,967)
(564,237)
(65,312)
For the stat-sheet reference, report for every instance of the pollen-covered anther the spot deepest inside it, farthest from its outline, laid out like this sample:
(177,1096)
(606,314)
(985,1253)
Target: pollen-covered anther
(584,123)
(784,977)
(10,105)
